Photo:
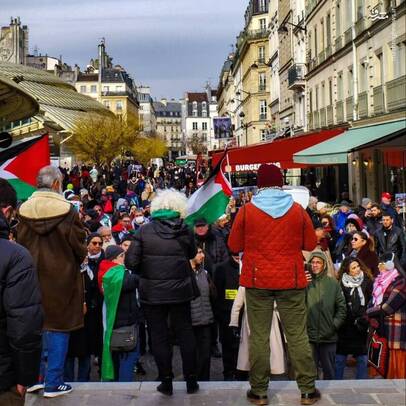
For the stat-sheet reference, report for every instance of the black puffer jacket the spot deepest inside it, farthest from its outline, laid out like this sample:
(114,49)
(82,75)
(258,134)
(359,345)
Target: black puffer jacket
(162,262)
(127,309)
(20,314)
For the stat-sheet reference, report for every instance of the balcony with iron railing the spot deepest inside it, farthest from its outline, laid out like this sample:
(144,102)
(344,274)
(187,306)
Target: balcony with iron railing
(339,43)
(360,26)
(316,119)
(349,104)
(247,35)
(296,76)
(328,51)
(363,105)
(312,63)
(262,87)
(396,93)
(340,111)
(323,119)
(322,57)
(330,116)
(262,116)
(348,36)
(310,121)
(379,100)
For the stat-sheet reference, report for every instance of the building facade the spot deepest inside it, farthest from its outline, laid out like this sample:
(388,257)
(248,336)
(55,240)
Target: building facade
(14,42)
(146,111)
(169,126)
(198,111)
(357,76)
(110,85)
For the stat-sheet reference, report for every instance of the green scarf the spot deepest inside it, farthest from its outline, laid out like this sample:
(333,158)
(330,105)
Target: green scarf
(112,284)
(165,214)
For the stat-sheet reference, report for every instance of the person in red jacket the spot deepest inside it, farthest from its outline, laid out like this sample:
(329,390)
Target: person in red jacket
(271,231)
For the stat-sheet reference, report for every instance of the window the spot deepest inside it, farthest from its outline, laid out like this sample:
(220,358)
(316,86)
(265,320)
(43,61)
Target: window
(195,105)
(317,97)
(322,42)
(262,109)
(105,88)
(119,105)
(340,86)
(330,92)
(194,113)
(262,24)
(363,77)
(204,113)
(328,28)
(263,135)
(379,70)
(262,5)
(316,45)
(350,82)
(204,126)
(338,20)
(311,99)
(323,95)
(400,61)
(119,88)
(82,89)
(360,9)
(348,13)
(262,82)
(261,54)
(93,89)
(106,104)
(194,125)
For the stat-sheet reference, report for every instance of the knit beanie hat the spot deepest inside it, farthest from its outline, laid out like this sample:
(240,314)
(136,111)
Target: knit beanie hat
(112,252)
(269,175)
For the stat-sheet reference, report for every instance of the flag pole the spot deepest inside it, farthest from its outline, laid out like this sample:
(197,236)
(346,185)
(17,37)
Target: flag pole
(228,164)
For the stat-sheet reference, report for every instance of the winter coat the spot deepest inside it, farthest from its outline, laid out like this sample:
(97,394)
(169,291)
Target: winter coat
(160,255)
(339,220)
(272,245)
(391,314)
(51,230)
(89,339)
(277,355)
(373,224)
(392,241)
(226,281)
(326,309)
(200,308)
(21,315)
(352,335)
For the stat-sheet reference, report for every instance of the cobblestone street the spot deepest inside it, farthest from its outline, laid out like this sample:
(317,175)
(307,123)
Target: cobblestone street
(343,393)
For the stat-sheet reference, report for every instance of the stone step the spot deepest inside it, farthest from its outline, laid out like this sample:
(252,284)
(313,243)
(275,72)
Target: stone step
(343,393)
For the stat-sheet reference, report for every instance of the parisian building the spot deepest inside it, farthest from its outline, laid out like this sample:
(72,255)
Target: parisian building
(14,42)
(147,110)
(169,126)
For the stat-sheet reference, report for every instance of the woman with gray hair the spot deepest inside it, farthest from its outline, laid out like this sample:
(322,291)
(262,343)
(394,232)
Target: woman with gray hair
(160,255)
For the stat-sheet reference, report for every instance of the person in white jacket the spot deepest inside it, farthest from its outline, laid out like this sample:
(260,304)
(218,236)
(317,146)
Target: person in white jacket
(277,356)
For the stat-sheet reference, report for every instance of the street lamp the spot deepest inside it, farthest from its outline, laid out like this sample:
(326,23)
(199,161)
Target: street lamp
(283,29)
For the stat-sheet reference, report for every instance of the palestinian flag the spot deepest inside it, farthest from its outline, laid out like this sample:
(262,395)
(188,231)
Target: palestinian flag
(211,199)
(111,278)
(20,164)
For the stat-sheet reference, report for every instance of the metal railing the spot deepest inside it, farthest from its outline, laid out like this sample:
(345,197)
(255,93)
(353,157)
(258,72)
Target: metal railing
(322,57)
(348,36)
(316,119)
(330,116)
(296,74)
(379,100)
(396,93)
(339,43)
(363,104)
(323,118)
(340,111)
(349,103)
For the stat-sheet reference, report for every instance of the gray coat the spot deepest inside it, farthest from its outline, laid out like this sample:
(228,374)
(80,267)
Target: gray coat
(202,313)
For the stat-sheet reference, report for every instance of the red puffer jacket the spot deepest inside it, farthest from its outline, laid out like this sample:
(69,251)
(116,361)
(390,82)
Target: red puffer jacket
(272,247)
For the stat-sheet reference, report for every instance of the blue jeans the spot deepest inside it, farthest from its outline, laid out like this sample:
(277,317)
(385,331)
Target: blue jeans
(362,366)
(54,349)
(83,369)
(124,363)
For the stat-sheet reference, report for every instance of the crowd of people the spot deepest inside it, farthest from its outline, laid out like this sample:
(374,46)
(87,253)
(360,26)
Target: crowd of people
(103,269)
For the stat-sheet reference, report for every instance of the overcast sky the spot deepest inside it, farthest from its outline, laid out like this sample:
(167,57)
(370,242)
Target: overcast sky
(171,45)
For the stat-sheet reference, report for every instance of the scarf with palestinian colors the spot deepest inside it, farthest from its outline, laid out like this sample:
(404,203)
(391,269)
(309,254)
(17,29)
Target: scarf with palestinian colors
(111,278)
(382,282)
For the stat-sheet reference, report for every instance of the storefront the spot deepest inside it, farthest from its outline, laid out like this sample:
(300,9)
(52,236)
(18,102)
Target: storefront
(374,156)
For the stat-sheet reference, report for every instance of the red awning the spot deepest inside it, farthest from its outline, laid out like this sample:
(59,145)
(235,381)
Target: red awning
(279,152)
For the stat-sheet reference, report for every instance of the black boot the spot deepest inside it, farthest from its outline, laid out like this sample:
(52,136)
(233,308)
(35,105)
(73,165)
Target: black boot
(165,386)
(191,384)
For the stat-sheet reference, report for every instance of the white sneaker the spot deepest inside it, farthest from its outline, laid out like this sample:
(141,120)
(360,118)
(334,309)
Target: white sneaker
(58,391)
(35,388)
